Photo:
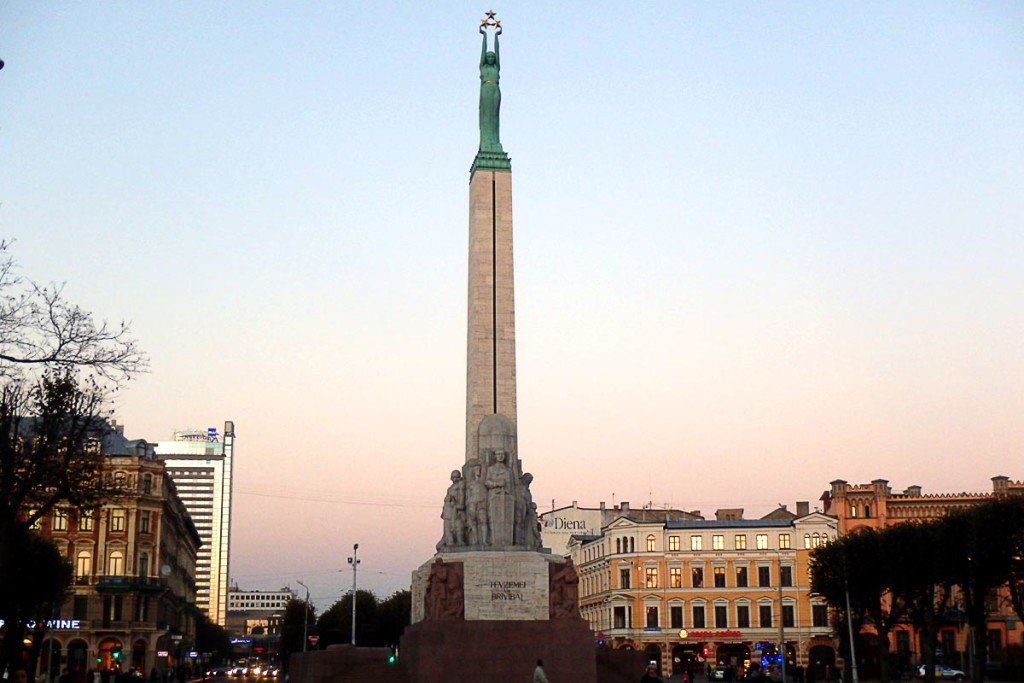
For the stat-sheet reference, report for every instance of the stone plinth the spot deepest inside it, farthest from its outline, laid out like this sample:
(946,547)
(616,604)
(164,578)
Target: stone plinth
(498,651)
(497,585)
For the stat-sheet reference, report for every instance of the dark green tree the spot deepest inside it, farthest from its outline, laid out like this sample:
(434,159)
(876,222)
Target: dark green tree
(393,615)
(335,624)
(213,639)
(292,629)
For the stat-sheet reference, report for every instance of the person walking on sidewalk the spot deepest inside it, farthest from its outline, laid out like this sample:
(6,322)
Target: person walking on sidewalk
(651,676)
(538,674)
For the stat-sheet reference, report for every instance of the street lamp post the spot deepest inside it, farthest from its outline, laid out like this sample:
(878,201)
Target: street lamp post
(354,561)
(305,617)
(782,624)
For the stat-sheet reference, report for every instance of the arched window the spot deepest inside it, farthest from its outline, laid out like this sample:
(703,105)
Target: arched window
(651,543)
(115,563)
(618,545)
(632,545)
(815,540)
(807,540)
(83,564)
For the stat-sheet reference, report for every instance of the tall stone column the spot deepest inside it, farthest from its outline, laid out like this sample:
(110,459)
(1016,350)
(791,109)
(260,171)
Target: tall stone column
(491,354)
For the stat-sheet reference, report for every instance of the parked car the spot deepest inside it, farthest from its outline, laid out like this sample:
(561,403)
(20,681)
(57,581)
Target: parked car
(718,673)
(945,672)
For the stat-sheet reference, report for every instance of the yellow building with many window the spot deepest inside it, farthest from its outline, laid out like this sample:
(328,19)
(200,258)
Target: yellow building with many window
(701,593)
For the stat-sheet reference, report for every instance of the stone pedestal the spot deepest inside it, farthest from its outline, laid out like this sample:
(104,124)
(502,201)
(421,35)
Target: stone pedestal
(498,651)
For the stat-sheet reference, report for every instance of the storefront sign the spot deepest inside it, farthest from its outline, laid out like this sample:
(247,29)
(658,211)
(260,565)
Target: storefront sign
(715,634)
(54,624)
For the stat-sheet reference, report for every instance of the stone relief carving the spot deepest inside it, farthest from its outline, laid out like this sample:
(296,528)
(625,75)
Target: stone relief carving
(445,595)
(563,589)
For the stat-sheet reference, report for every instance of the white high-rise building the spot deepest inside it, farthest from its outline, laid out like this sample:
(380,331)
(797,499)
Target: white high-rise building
(200,462)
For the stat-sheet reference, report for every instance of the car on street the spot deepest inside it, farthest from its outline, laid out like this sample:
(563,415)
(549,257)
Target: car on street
(219,671)
(718,673)
(944,672)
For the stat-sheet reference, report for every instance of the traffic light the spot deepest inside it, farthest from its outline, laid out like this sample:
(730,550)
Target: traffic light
(392,655)
(115,653)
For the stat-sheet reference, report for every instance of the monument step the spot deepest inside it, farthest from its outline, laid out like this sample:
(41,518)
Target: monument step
(377,672)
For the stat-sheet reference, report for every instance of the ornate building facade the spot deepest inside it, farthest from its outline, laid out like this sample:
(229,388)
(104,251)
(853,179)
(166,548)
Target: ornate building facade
(693,593)
(875,505)
(132,602)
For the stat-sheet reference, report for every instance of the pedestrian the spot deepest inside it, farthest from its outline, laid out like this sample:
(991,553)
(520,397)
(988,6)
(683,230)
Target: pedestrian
(20,675)
(651,675)
(538,673)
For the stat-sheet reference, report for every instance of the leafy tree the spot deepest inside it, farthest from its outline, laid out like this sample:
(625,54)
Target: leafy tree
(335,624)
(58,367)
(924,583)
(393,615)
(212,638)
(43,577)
(292,629)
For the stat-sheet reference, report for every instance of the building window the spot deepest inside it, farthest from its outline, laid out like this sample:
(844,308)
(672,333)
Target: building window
(807,540)
(743,616)
(619,615)
(786,575)
(696,543)
(903,642)
(741,577)
(719,574)
(651,574)
(618,545)
(698,616)
(632,545)
(80,607)
(142,608)
(764,576)
(83,564)
(676,576)
(721,616)
(144,565)
(85,520)
(624,578)
(676,615)
(119,479)
(764,616)
(741,541)
(147,483)
(762,541)
(673,543)
(144,520)
(867,510)
(853,510)
(718,542)
(819,616)
(652,616)
(117,519)
(788,617)
(60,519)
(817,540)
(115,563)
(697,576)
(784,542)
(651,543)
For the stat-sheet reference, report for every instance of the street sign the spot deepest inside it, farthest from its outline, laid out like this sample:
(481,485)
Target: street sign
(313,640)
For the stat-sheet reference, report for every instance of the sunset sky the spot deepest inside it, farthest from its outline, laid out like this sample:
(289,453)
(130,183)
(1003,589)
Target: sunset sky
(759,246)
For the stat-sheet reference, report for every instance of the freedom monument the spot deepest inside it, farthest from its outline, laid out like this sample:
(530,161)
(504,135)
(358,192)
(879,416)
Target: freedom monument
(492,601)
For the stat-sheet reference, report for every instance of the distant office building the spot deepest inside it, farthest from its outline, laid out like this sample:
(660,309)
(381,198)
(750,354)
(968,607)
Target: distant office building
(200,462)
(259,601)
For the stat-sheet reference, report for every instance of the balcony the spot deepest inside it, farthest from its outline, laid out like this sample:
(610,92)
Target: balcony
(124,584)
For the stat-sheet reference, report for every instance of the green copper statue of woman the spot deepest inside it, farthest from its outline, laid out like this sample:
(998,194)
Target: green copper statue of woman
(490,95)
